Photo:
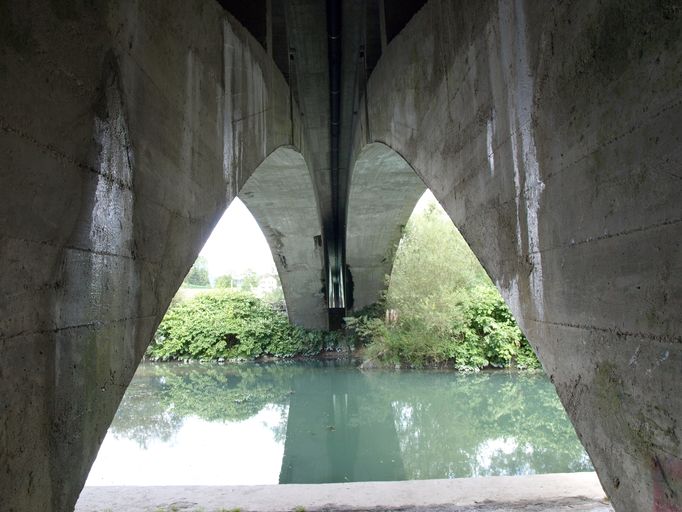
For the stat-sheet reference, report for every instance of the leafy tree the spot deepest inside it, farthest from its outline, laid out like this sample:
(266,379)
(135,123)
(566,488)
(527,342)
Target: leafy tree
(224,281)
(433,268)
(250,281)
(198,274)
(449,312)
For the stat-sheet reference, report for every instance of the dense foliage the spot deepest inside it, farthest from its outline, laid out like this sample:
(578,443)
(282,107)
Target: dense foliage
(448,310)
(249,281)
(444,311)
(230,324)
(224,281)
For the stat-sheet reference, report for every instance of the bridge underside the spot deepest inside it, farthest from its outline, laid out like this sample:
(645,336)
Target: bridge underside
(550,132)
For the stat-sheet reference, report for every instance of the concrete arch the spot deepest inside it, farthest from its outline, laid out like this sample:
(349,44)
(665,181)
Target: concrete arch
(568,193)
(280,196)
(147,118)
(383,192)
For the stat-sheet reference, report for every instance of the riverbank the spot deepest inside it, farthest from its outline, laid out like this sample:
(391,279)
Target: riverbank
(357,358)
(227,325)
(537,493)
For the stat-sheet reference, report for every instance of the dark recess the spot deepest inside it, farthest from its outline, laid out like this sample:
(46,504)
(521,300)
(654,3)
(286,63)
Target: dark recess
(398,14)
(372,36)
(251,14)
(335,235)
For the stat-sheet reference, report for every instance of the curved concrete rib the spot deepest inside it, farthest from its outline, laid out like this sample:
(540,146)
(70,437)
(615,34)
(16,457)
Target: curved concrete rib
(280,196)
(384,190)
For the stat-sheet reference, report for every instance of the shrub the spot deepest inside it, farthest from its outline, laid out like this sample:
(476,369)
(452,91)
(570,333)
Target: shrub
(232,325)
(493,326)
(483,333)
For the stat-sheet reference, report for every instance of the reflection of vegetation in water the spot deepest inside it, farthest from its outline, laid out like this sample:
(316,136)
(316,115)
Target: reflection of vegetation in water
(332,438)
(224,393)
(483,424)
(434,424)
(142,416)
(162,394)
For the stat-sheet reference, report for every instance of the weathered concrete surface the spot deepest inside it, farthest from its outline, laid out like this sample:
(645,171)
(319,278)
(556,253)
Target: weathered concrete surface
(551,134)
(541,493)
(383,192)
(126,128)
(310,82)
(280,196)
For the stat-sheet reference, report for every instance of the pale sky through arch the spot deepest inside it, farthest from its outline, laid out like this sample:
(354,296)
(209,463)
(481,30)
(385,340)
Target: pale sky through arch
(237,244)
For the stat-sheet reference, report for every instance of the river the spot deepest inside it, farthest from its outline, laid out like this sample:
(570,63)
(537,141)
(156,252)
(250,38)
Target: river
(314,422)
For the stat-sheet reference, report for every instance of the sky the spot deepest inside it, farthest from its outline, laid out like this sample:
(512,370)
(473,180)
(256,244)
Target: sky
(179,460)
(237,243)
(425,200)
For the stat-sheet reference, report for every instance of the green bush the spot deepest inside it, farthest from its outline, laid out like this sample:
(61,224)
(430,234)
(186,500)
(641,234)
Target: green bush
(490,325)
(488,335)
(365,329)
(232,325)
(483,333)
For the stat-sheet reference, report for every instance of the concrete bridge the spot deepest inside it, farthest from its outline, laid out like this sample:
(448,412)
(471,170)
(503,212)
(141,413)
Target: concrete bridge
(550,132)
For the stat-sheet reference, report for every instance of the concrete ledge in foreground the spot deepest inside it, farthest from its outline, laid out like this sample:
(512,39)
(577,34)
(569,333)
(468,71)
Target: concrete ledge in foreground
(542,493)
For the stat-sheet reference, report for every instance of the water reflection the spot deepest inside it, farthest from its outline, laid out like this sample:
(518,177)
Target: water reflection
(332,436)
(317,422)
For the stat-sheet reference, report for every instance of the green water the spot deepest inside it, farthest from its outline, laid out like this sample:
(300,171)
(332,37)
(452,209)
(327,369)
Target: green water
(331,422)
